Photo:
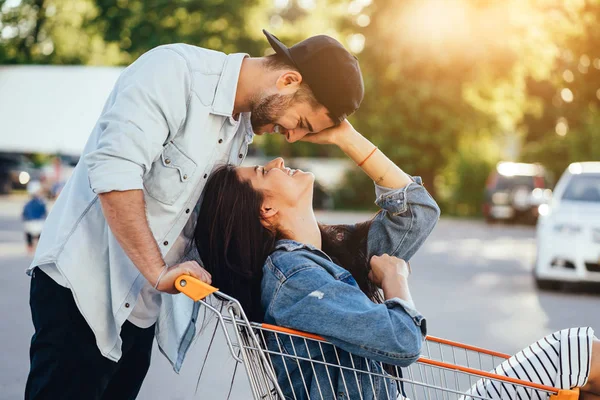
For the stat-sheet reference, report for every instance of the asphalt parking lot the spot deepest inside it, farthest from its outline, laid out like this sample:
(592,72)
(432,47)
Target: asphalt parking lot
(471,281)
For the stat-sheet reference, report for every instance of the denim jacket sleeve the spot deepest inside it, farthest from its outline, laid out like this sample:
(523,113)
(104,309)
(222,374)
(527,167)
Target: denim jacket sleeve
(151,98)
(313,300)
(407,217)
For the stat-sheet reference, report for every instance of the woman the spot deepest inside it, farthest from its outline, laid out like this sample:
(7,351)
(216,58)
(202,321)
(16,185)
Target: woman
(258,237)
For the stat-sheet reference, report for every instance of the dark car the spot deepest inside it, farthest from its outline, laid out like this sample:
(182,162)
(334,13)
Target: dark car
(514,192)
(15,172)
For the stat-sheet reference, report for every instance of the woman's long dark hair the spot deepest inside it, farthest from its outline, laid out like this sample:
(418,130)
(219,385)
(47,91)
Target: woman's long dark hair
(234,245)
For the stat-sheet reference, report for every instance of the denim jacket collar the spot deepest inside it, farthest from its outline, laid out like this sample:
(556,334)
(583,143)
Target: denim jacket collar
(292,245)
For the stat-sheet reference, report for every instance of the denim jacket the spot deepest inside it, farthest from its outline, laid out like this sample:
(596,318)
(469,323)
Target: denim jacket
(304,289)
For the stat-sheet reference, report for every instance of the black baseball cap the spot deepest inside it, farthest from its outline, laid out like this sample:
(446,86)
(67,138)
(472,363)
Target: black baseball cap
(331,72)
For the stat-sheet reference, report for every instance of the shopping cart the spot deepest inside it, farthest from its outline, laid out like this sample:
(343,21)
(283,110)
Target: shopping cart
(446,369)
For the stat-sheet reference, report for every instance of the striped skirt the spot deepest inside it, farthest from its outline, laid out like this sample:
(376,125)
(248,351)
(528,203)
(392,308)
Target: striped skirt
(561,360)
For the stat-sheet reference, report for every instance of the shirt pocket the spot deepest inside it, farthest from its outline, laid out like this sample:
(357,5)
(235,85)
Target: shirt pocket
(169,175)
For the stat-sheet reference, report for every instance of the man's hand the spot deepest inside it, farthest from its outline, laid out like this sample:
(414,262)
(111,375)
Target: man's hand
(333,135)
(385,267)
(192,268)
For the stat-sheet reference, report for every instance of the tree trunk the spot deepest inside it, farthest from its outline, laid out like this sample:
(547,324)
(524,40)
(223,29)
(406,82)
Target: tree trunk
(40,18)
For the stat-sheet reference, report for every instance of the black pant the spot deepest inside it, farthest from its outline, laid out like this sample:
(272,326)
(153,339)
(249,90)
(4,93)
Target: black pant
(65,360)
(29,238)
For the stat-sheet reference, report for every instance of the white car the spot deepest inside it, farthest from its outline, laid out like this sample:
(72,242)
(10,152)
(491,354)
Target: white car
(568,229)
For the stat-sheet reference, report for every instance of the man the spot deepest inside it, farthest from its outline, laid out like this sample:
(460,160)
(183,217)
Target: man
(105,267)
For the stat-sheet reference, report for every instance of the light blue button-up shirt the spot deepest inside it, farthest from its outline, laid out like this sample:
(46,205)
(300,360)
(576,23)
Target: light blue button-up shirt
(166,124)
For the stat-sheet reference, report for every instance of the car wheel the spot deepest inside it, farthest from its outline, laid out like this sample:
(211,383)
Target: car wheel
(546,284)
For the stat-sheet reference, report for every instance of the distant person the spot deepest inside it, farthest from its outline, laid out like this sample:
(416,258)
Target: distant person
(113,244)
(34,214)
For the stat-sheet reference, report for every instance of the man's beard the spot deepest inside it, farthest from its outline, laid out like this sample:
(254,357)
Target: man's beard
(269,110)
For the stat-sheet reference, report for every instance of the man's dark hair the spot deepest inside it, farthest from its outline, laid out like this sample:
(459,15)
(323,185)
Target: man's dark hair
(304,94)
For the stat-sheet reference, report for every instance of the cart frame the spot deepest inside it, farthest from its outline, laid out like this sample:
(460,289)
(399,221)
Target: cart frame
(444,371)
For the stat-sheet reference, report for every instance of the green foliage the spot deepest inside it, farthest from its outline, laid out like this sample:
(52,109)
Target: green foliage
(39,159)
(53,32)
(567,128)
(139,25)
(448,83)
(116,32)
(461,184)
(355,192)
(414,108)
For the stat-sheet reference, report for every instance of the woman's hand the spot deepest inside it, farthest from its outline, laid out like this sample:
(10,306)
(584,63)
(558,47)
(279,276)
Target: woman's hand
(386,267)
(192,268)
(334,135)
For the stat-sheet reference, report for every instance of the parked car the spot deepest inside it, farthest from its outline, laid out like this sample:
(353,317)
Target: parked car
(568,230)
(15,172)
(514,192)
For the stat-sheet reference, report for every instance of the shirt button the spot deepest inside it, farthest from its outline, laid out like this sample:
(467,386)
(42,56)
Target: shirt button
(205,176)
(187,211)
(241,156)
(184,177)
(167,161)
(126,305)
(166,243)
(220,141)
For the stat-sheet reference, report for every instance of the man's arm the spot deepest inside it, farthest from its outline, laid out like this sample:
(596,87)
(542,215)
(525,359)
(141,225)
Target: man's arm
(125,213)
(150,105)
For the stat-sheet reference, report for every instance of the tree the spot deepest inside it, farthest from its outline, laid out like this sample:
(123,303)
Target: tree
(445,77)
(139,25)
(566,129)
(116,32)
(52,32)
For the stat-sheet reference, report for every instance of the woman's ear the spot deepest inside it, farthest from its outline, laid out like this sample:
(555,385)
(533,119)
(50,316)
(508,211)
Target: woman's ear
(267,211)
(267,217)
(289,80)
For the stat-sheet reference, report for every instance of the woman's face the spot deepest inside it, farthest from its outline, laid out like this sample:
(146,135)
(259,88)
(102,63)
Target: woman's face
(282,187)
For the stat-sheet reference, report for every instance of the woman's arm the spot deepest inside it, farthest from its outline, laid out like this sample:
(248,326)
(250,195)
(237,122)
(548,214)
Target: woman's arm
(372,160)
(391,275)
(312,300)
(409,212)
(364,153)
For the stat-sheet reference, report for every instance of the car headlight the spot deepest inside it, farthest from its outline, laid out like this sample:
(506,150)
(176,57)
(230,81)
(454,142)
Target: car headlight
(24,177)
(567,229)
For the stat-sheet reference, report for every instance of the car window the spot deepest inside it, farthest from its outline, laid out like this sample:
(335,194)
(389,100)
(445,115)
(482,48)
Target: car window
(509,182)
(583,188)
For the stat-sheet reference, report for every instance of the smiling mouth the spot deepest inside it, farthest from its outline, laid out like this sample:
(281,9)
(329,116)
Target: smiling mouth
(291,172)
(279,130)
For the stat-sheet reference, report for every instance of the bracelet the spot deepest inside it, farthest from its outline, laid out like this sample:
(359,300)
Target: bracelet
(370,154)
(165,268)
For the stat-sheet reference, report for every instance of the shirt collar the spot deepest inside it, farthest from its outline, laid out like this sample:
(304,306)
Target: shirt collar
(227,86)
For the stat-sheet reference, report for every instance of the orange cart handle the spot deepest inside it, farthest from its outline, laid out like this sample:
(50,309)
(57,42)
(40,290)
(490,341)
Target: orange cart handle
(194,288)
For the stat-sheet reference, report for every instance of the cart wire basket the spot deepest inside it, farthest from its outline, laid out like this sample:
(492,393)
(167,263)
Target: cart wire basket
(445,370)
